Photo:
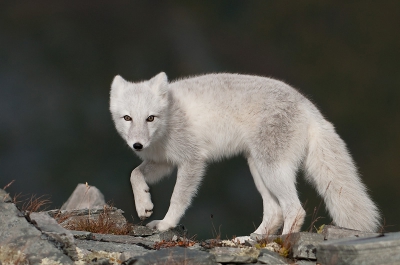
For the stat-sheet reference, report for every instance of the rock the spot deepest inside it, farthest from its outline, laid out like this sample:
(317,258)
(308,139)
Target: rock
(143,242)
(50,226)
(335,232)
(61,237)
(22,242)
(170,235)
(84,197)
(139,230)
(98,257)
(368,250)
(235,255)
(175,255)
(69,218)
(82,235)
(304,244)
(130,250)
(270,257)
(306,262)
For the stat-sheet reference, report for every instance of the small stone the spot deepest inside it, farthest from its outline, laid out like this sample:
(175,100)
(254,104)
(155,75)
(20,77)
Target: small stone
(82,235)
(235,255)
(335,232)
(170,235)
(304,244)
(139,230)
(84,197)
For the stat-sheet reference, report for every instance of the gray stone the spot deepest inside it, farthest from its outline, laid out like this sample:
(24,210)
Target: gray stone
(235,255)
(304,244)
(175,255)
(143,242)
(50,226)
(368,250)
(84,197)
(17,236)
(270,257)
(91,245)
(139,230)
(170,235)
(68,218)
(335,232)
(82,235)
(305,262)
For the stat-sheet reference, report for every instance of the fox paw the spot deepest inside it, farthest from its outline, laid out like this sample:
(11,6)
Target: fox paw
(144,206)
(160,225)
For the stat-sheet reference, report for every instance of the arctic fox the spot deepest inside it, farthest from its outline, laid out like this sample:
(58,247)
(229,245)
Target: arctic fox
(190,122)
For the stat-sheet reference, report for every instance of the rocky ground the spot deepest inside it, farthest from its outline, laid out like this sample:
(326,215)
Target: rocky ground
(105,237)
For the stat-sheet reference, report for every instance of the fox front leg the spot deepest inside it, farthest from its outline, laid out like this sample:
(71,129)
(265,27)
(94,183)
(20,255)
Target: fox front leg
(149,172)
(187,182)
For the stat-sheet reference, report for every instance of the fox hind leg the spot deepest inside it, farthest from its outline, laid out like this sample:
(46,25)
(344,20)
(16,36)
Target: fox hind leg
(272,213)
(280,180)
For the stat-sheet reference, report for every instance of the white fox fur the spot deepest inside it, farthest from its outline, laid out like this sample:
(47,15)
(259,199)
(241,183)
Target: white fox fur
(189,122)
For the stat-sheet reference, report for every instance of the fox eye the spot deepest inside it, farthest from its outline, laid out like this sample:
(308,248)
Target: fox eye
(150,118)
(127,118)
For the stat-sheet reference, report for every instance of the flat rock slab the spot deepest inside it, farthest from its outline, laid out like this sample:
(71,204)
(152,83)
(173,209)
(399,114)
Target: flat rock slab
(139,230)
(369,250)
(270,257)
(143,242)
(50,226)
(84,197)
(331,232)
(18,237)
(127,249)
(175,255)
(68,218)
(235,255)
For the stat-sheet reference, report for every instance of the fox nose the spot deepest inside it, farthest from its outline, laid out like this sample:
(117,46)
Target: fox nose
(137,146)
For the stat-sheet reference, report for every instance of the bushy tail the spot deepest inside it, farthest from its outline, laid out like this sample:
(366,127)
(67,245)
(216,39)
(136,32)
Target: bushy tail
(331,169)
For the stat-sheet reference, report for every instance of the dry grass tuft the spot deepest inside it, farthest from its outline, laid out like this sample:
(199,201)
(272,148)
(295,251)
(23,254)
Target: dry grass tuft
(32,203)
(103,224)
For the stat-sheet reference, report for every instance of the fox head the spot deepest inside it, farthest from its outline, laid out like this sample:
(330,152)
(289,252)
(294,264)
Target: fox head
(140,110)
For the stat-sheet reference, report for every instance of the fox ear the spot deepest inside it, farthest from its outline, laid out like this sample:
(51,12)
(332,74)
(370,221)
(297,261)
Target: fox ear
(160,83)
(117,84)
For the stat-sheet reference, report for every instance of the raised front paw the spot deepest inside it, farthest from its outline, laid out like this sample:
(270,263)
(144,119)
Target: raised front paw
(160,225)
(144,206)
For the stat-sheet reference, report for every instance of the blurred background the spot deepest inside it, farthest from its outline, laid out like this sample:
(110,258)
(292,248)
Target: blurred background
(58,58)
